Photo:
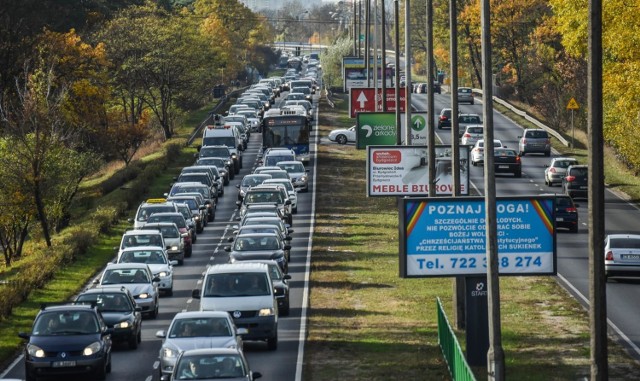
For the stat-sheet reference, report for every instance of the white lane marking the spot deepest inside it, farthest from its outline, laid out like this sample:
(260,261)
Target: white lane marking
(305,292)
(11,366)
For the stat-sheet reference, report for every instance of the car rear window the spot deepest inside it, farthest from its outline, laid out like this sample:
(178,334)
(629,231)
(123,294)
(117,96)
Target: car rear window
(579,171)
(464,90)
(510,153)
(474,130)
(627,243)
(469,119)
(563,202)
(537,134)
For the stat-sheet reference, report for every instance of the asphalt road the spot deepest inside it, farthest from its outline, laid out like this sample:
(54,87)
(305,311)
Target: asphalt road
(280,365)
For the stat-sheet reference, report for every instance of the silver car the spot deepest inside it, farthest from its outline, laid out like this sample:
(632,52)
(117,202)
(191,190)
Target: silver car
(472,134)
(139,280)
(465,95)
(556,170)
(297,173)
(197,330)
(622,255)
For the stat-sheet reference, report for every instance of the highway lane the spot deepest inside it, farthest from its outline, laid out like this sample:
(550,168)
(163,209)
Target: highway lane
(142,363)
(623,296)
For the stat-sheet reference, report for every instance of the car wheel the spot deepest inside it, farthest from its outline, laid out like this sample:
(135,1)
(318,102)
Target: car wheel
(187,253)
(341,139)
(522,153)
(170,292)
(272,343)
(226,181)
(574,229)
(518,174)
(29,377)
(285,309)
(101,372)
(295,210)
(154,314)
(222,192)
(472,102)
(180,262)
(109,364)
(133,342)
(547,154)
(211,217)
(139,336)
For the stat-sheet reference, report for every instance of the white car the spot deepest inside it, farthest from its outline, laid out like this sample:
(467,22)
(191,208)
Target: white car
(556,170)
(472,134)
(477,152)
(297,173)
(342,136)
(195,330)
(156,258)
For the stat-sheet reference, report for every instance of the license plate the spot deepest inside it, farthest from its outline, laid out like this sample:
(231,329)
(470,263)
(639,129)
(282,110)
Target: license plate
(63,364)
(503,166)
(559,219)
(583,187)
(630,256)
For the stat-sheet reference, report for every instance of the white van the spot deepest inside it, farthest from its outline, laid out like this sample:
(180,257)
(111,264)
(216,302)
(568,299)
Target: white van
(226,134)
(244,290)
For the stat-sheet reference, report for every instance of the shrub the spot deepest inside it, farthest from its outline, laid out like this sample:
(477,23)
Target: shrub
(104,218)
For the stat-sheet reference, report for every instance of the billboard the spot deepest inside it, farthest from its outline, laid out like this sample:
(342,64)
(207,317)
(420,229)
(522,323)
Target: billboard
(404,171)
(354,73)
(446,236)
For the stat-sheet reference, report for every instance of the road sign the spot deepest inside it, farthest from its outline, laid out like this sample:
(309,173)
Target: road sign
(573,104)
(365,100)
(379,128)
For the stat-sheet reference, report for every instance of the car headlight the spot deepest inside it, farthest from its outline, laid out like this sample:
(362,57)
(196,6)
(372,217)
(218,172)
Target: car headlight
(242,193)
(143,296)
(234,155)
(197,218)
(92,348)
(168,352)
(123,324)
(266,312)
(303,178)
(173,248)
(35,351)
(229,162)
(163,274)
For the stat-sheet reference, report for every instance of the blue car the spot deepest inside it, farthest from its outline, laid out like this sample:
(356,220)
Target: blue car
(68,340)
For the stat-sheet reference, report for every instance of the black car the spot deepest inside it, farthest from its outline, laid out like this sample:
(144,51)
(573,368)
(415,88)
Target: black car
(119,311)
(576,181)
(68,340)
(444,120)
(566,213)
(507,160)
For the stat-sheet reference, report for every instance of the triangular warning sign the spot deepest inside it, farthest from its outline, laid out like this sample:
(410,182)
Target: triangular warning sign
(573,105)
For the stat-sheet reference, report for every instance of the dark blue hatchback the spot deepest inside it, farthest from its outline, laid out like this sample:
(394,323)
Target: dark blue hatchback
(66,340)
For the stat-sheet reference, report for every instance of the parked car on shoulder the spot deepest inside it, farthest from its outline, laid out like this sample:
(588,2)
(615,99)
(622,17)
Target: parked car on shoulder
(343,136)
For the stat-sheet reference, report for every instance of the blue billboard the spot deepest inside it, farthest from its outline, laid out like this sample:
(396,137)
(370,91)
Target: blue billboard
(446,236)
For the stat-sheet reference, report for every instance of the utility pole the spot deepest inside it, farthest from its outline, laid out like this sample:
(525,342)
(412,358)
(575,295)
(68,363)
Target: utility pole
(383,42)
(458,282)
(367,53)
(431,141)
(407,72)
(356,37)
(396,69)
(597,282)
(495,355)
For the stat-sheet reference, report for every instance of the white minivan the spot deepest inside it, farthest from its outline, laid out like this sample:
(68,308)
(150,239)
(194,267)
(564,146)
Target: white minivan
(245,291)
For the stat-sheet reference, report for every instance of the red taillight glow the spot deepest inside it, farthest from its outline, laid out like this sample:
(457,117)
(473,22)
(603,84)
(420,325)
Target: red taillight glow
(517,159)
(609,256)
(467,135)
(570,178)
(443,117)
(572,210)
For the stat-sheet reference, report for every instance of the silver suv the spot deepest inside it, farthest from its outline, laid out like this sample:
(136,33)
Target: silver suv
(534,140)
(465,94)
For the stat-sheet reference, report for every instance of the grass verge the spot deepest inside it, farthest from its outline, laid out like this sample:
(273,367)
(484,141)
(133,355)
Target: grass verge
(365,323)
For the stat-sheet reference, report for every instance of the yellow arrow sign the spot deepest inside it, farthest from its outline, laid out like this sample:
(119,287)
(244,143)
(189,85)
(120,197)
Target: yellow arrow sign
(573,105)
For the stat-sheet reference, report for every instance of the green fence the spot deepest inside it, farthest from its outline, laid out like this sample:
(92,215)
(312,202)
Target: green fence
(453,355)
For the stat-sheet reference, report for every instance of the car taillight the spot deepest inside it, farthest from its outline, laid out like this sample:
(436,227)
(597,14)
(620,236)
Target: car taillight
(570,178)
(552,170)
(571,210)
(524,141)
(548,141)
(443,118)
(517,159)
(609,256)
(467,135)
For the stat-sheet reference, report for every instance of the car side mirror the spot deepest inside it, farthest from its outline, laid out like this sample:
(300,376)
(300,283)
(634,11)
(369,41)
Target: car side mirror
(195,294)
(161,334)
(173,263)
(108,331)
(286,276)
(238,186)
(24,335)
(155,280)
(138,309)
(238,203)
(287,247)
(227,249)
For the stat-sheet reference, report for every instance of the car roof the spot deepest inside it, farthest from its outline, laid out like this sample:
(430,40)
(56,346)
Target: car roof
(198,314)
(265,234)
(141,248)
(237,267)
(160,224)
(67,307)
(210,351)
(110,289)
(140,231)
(127,266)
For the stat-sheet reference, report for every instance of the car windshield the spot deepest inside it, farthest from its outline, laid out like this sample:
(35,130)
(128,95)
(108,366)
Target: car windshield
(177,219)
(537,134)
(119,276)
(292,168)
(150,257)
(256,243)
(236,284)
(134,240)
(200,327)
(563,163)
(214,152)
(264,197)
(274,160)
(210,367)
(66,323)
(107,302)
(147,211)
(253,180)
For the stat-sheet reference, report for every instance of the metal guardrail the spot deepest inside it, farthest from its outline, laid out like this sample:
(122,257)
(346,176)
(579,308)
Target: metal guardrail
(453,355)
(529,118)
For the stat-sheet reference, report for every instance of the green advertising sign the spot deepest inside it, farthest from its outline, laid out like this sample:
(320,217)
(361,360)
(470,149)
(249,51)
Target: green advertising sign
(379,128)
